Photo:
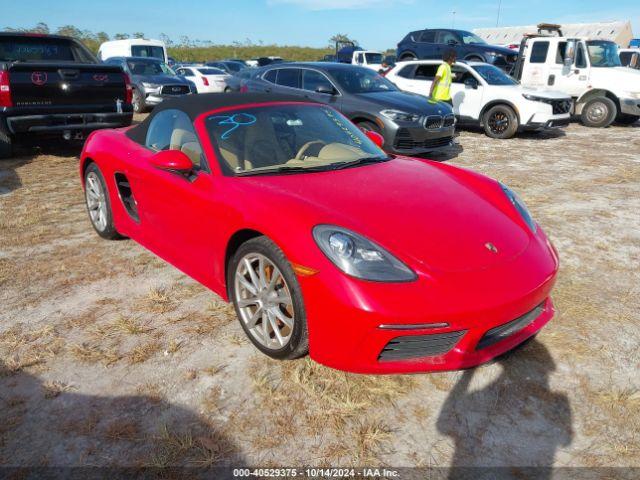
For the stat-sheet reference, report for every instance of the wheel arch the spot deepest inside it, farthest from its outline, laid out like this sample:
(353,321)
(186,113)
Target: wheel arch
(497,102)
(235,241)
(407,53)
(591,94)
(475,56)
(84,164)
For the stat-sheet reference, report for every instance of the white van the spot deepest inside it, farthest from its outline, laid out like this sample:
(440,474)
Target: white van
(133,47)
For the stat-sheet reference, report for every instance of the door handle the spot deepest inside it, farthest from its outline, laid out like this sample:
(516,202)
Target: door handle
(267,90)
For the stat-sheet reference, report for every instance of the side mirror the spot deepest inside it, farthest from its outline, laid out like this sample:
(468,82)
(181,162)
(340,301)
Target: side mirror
(375,137)
(327,90)
(172,160)
(569,53)
(471,83)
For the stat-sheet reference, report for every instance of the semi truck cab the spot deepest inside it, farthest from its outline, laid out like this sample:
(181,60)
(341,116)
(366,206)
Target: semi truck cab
(589,70)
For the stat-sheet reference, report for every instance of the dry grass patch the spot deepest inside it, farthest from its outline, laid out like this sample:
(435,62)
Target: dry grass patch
(158,300)
(92,353)
(144,352)
(122,325)
(122,430)
(54,388)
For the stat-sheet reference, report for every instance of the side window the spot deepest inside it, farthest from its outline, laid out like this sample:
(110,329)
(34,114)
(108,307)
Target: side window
(428,36)
(407,72)
(459,74)
(270,76)
(426,72)
(539,52)
(445,37)
(289,77)
(625,58)
(173,130)
(311,80)
(562,51)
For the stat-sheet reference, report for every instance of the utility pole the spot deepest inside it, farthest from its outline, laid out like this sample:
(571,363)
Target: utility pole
(498,17)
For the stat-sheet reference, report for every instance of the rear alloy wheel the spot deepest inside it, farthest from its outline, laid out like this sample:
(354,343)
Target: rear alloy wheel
(98,204)
(599,112)
(500,122)
(267,299)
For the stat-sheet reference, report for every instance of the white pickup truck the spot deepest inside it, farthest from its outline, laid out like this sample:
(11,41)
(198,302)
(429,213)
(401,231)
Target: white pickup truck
(484,95)
(587,69)
(347,52)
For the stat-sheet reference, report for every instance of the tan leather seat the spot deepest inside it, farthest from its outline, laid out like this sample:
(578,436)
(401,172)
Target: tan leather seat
(261,147)
(193,151)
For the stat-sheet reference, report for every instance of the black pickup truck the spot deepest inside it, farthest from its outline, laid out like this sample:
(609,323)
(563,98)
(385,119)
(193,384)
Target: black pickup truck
(52,85)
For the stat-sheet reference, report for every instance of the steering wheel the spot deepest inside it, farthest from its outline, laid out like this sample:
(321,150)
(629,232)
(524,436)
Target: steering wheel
(306,146)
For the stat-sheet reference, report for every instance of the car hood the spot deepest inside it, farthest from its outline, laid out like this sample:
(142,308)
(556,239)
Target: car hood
(161,79)
(405,101)
(495,48)
(437,216)
(550,94)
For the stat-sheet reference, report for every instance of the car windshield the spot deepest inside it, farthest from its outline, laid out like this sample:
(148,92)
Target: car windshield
(493,75)
(361,80)
(211,71)
(288,139)
(147,67)
(375,58)
(603,54)
(41,49)
(469,38)
(150,51)
(234,66)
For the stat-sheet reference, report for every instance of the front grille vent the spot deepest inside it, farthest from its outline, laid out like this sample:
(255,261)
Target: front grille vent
(418,346)
(404,141)
(175,89)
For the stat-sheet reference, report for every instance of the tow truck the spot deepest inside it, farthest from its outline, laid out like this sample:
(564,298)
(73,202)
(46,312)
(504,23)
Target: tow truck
(589,70)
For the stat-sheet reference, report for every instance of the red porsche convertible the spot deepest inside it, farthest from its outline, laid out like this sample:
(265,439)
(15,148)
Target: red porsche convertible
(324,243)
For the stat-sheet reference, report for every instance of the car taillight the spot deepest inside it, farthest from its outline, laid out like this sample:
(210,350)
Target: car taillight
(5,90)
(205,81)
(244,89)
(128,89)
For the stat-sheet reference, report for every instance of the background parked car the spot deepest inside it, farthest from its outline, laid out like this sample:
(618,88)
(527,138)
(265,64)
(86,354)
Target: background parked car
(152,81)
(484,95)
(228,66)
(409,123)
(206,79)
(133,47)
(36,74)
(430,44)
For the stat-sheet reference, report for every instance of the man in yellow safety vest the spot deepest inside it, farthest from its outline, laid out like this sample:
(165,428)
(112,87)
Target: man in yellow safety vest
(441,85)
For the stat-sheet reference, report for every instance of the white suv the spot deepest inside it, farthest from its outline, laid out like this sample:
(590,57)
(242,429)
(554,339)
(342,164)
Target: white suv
(484,95)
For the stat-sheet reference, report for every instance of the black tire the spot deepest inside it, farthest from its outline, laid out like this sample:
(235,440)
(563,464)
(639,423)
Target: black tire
(227,90)
(500,121)
(624,119)
(599,112)
(6,145)
(138,102)
(298,343)
(474,58)
(109,231)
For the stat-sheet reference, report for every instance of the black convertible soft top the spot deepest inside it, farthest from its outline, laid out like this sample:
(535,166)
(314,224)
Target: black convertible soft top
(195,105)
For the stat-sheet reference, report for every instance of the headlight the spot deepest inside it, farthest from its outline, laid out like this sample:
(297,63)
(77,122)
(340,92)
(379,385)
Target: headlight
(400,116)
(150,86)
(520,206)
(360,257)
(534,98)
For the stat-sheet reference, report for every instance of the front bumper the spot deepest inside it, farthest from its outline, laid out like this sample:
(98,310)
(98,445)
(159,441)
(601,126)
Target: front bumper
(630,106)
(43,124)
(544,122)
(414,138)
(352,322)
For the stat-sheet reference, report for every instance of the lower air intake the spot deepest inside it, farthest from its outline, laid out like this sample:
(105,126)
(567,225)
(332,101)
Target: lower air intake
(417,346)
(503,331)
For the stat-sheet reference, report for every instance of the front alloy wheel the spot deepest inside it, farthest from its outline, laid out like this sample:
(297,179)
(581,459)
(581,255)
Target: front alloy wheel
(267,298)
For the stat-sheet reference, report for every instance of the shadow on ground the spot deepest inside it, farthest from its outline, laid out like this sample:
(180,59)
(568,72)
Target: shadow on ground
(43,426)
(516,420)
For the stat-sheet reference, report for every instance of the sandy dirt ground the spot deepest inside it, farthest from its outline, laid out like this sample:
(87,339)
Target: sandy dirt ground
(109,356)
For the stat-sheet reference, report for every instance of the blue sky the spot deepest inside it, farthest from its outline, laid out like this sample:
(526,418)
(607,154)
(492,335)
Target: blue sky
(375,24)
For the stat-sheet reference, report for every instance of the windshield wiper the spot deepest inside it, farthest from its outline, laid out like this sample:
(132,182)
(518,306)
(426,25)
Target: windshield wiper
(359,161)
(284,169)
